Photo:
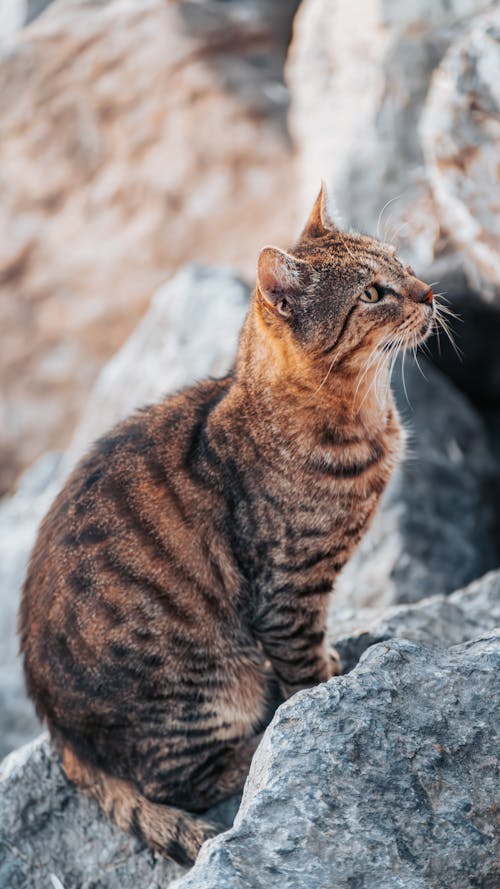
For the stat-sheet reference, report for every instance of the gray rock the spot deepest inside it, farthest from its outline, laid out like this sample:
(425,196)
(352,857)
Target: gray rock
(167,350)
(46,828)
(435,531)
(387,777)
(440,621)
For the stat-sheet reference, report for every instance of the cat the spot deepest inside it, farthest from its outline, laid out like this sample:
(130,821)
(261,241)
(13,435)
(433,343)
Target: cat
(178,588)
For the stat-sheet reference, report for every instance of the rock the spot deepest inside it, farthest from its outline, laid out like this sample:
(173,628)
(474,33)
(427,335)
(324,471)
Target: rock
(358,76)
(12,17)
(385,777)
(440,621)
(289,814)
(461,133)
(436,528)
(167,351)
(133,137)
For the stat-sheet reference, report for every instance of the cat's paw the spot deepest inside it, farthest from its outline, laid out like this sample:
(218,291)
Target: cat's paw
(334,661)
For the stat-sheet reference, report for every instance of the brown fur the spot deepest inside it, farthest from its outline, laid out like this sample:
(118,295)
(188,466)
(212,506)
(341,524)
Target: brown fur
(178,588)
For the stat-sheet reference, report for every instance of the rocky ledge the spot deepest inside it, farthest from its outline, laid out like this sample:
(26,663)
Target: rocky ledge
(384,777)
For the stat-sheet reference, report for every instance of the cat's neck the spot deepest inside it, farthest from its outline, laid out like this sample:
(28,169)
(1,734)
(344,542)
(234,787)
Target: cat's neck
(281,383)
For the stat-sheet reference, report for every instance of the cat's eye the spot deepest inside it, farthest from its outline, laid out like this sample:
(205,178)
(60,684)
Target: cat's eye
(371,295)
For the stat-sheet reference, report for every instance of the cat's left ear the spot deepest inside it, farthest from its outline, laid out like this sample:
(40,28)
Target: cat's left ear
(320,221)
(281,279)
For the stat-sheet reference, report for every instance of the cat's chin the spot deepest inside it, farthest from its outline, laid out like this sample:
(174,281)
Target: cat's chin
(424,330)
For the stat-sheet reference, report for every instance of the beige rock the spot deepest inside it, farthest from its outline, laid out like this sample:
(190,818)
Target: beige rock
(358,75)
(133,136)
(461,138)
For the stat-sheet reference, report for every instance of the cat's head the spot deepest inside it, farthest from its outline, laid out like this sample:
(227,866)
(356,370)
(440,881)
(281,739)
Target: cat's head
(338,294)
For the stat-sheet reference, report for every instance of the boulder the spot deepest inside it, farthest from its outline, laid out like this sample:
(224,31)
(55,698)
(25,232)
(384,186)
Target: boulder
(460,133)
(387,777)
(359,74)
(133,137)
(439,621)
(390,767)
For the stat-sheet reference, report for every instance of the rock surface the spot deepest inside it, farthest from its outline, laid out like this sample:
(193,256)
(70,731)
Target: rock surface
(461,136)
(439,621)
(133,136)
(379,58)
(387,777)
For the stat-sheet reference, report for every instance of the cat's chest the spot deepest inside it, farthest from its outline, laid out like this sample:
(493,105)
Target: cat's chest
(315,512)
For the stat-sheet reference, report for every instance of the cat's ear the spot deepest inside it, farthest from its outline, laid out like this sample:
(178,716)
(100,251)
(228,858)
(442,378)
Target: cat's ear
(281,279)
(320,221)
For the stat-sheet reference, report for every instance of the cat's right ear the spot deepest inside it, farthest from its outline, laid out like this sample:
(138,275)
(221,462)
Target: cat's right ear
(281,279)
(320,220)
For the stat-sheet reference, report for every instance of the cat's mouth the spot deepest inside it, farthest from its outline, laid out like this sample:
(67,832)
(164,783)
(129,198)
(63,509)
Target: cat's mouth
(412,333)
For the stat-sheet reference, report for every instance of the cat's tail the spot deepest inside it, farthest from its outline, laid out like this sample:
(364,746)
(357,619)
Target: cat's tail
(166,829)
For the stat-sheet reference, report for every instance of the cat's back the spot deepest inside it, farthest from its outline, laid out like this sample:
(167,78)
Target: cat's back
(118,554)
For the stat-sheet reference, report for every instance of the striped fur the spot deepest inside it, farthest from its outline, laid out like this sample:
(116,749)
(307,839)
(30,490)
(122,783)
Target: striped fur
(178,588)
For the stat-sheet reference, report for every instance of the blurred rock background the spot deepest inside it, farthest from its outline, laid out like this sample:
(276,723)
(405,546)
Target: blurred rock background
(147,151)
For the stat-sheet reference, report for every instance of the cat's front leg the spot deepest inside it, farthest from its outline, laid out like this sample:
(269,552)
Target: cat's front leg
(293,638)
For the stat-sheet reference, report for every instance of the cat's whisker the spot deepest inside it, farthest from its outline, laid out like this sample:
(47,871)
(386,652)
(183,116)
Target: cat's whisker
(325,377)
(443,324)
(374,357)
(403,378)
(384,208)
(398,232)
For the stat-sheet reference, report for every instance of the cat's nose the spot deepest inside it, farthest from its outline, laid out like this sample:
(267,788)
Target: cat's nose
(420,292)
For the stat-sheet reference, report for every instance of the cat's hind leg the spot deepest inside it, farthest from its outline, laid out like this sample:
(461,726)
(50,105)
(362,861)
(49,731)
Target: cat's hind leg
(223,774)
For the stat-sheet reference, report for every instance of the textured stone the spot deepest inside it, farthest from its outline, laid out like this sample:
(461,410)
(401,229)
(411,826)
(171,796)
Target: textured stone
(134,136)
(359,75)
(387,777)
(461,136)
(440,621)
(48,830)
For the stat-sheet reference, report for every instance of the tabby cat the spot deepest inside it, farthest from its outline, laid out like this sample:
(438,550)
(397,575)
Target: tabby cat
(179,585)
